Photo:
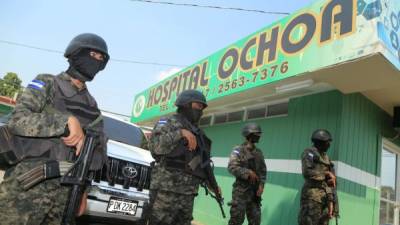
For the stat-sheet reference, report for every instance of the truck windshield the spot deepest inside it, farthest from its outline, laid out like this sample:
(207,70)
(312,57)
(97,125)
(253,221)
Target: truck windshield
(122,132)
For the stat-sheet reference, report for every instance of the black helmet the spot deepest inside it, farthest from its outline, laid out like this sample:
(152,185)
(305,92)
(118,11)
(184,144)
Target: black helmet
(250,128)
(87,40)
(321,135)
(188,96)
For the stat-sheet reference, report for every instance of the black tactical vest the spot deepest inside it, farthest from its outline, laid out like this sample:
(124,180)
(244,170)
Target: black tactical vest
(80,104)
(192,162)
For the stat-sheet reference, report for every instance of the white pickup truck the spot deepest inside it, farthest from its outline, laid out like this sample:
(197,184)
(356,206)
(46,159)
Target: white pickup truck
(120,191)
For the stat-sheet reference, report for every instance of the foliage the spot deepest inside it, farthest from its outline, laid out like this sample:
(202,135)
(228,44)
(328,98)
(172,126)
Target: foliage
(10,85)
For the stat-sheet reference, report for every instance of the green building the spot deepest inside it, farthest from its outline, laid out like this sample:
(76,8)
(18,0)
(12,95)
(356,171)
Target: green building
(333,65)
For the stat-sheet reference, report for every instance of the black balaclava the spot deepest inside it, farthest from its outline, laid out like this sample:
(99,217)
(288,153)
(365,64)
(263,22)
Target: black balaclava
(193,115)
(84,67)
(322,146)
(253,138)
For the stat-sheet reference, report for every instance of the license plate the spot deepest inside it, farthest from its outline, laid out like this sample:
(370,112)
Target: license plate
(122,206)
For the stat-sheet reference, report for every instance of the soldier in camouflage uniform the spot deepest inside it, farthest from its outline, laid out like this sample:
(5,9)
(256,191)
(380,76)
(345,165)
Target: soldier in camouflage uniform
(182,153)
(316,204)
(247,164)
(48,122)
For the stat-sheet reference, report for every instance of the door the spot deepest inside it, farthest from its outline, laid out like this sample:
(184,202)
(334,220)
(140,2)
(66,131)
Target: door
(389,203)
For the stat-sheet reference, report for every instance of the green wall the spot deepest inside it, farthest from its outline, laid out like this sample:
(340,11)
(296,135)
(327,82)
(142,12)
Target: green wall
(357,126)
(285,137)
(363,125)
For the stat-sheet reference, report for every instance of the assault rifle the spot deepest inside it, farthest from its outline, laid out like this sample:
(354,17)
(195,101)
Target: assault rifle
(214,186)
(77,177)
(255,186)
(335,197)
(204,145)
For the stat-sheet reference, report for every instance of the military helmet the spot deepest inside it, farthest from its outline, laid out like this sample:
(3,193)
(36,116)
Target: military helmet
(189,96)
(321,135)
(89,41)
(250,128)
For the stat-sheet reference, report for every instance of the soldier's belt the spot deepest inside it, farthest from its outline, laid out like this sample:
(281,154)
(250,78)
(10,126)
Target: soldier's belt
(174,165)
(51,169)
(316,184)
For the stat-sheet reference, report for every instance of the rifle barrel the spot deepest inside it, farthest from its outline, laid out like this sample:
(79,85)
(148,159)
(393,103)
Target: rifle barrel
(77,178)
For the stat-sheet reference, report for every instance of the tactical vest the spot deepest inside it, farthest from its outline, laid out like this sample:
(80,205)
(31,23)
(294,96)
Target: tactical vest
(321,163)
(192,162)
(65,99)
(248,161)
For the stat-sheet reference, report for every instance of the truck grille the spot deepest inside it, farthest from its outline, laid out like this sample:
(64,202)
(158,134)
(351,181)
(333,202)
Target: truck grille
(125,173)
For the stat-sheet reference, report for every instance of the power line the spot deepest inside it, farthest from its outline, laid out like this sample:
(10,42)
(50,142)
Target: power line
(31,46)
(111,59)
(212,7)
(145,63)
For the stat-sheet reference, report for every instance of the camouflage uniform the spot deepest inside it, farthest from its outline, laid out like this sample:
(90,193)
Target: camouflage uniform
(43,204)
(244,158)
(39,123)
(172,190)
(316,194)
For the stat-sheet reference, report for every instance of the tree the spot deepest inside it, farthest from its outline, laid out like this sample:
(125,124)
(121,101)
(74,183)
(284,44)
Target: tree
(10,85)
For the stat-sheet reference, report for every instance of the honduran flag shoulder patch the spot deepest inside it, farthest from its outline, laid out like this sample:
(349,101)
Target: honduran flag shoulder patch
(162,121)
(37,85)
(236,151)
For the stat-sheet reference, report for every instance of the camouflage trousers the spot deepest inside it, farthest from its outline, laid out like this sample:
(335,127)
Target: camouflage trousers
(244,204)
(169,208)
(40,205)
(313,213)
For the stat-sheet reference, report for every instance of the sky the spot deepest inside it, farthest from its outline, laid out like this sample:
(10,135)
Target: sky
(134,31)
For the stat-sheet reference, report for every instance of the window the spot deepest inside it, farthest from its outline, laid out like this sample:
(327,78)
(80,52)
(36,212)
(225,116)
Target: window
(255,113)
(389,187)
(268,110)
(221,118)
(229,117)
(388,182)
(122,132)
(235,116)
(204,121)
(278,109)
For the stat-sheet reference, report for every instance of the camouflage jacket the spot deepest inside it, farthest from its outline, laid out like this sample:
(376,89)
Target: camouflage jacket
(166,137)
(314,167)
(41,115)
(240,163)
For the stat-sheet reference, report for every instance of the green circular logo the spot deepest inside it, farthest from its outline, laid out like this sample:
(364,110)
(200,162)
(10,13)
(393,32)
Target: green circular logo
(139,106)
